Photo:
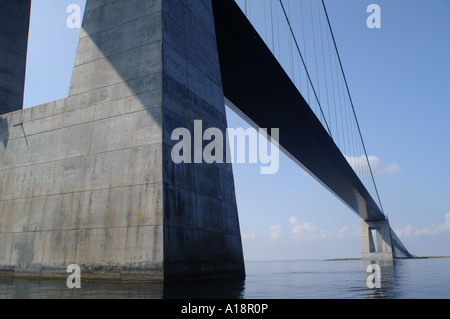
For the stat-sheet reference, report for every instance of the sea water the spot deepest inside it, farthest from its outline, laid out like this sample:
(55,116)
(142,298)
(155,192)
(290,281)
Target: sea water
(297,279)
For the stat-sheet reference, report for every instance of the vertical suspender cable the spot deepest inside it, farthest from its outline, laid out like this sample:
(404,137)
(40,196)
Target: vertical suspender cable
(306,69)
(291,55)
(314,46)
(352,105)
(304,47)
(333,86)
(265,21)
(324,64)
(278,32)
(271,22)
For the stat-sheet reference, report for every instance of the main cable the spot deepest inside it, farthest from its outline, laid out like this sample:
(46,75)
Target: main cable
(352,105)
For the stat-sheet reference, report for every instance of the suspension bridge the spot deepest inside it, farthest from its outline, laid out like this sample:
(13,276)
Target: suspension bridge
(89,180)
(281,68)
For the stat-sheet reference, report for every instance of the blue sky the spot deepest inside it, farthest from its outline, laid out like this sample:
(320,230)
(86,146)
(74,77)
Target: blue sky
(399,78)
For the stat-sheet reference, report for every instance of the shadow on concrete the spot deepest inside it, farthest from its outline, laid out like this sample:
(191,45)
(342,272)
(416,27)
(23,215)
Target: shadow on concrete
(129,36)
(5,130)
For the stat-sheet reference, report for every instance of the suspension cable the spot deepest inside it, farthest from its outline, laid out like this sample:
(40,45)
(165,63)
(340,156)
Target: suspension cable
(352,105)
(306,69)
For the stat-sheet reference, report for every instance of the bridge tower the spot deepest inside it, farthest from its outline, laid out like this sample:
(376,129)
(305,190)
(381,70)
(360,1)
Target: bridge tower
(376,240)
(379,242)
(94,183)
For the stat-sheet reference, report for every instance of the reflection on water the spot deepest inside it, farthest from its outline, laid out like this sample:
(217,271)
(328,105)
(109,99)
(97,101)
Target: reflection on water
(205,290)
(421,278)
(56,288)
(21,288)
(388,280)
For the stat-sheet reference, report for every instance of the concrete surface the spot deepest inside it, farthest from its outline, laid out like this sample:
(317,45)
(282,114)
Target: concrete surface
(376,240)
(89,180)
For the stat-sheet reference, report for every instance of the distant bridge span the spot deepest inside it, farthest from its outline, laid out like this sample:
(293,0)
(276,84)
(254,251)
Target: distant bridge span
(259,90)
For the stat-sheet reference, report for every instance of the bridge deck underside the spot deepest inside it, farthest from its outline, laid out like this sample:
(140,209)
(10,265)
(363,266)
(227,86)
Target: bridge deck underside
(263,94)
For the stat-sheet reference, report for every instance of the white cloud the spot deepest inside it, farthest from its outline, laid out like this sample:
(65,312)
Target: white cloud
(404,233)
(342,233)
(293,220)
(434,230)
(308,231)
(446,225)
(249,236)
(275,232)
(378,166)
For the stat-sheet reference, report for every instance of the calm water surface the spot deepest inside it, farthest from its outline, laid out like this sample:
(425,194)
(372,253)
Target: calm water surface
(318,279)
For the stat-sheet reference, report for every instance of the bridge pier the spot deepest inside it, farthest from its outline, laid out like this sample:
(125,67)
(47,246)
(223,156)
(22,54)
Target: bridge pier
(93,183)
(376,240)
